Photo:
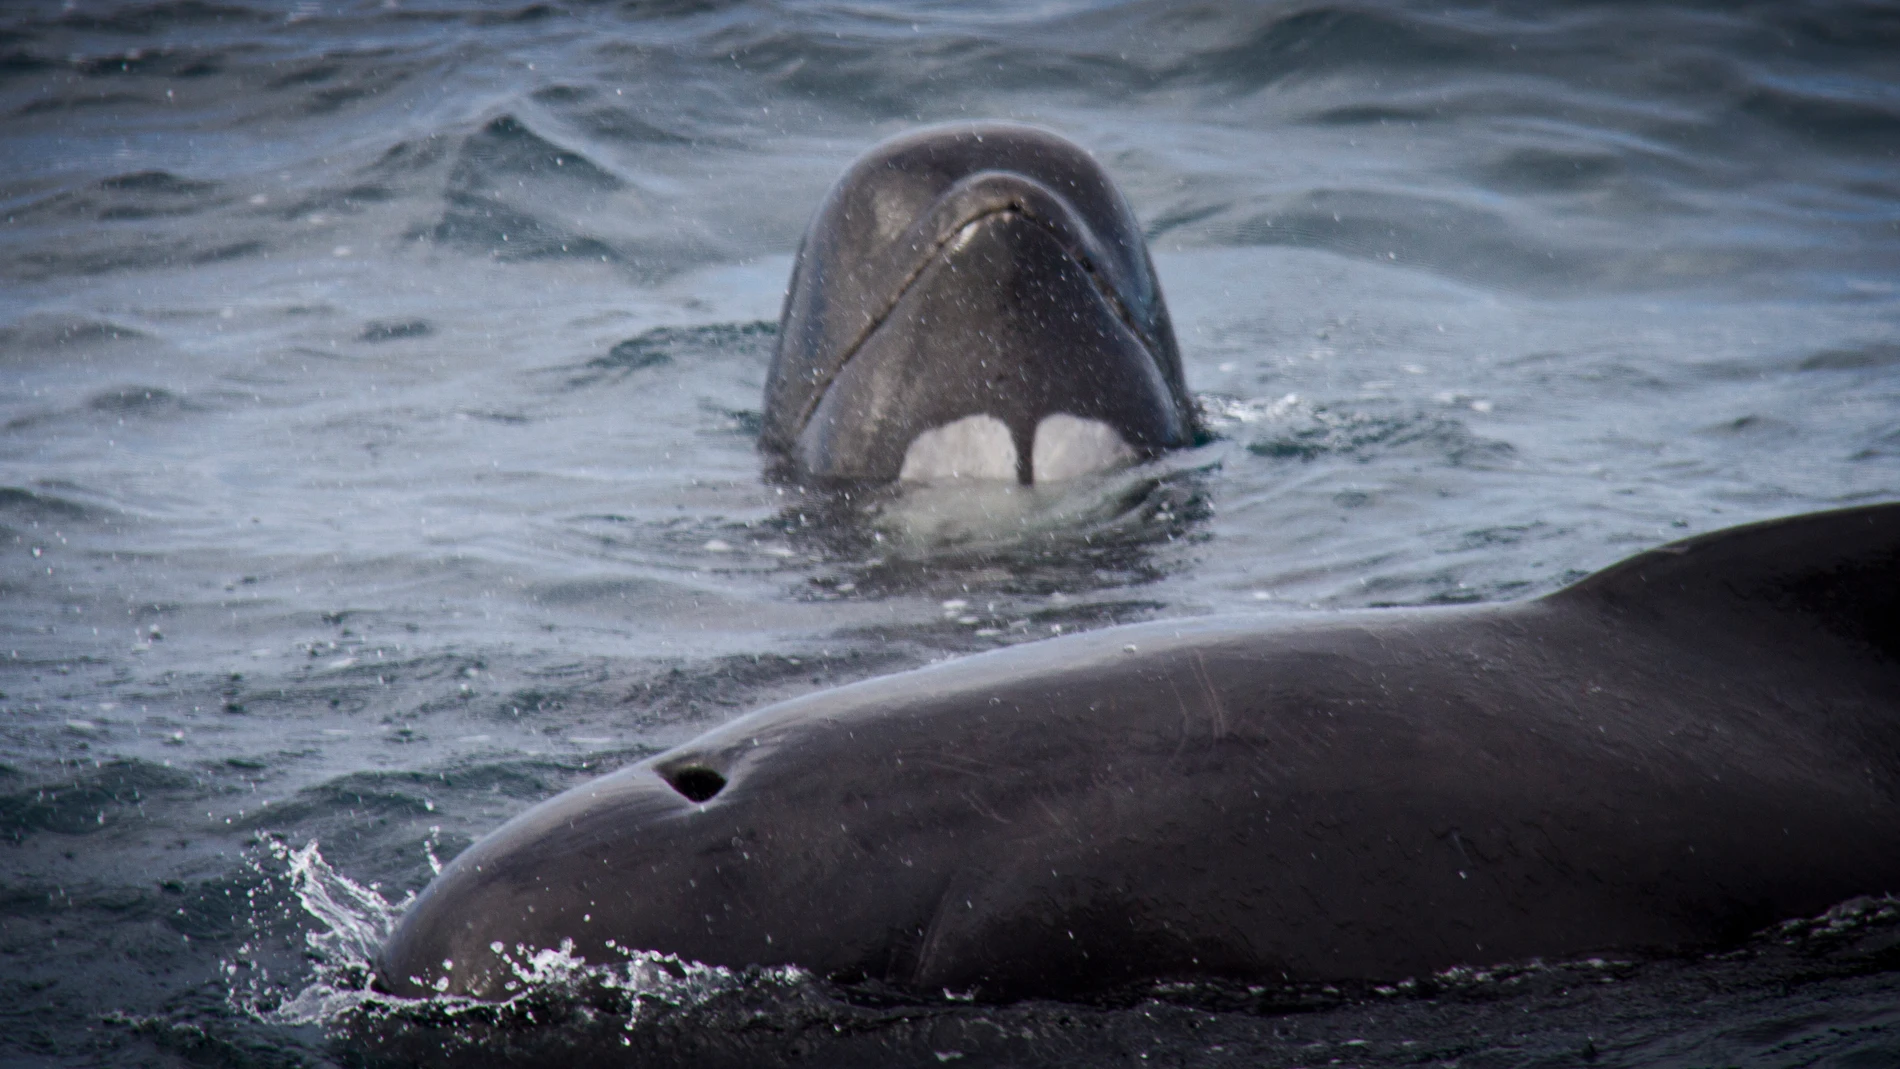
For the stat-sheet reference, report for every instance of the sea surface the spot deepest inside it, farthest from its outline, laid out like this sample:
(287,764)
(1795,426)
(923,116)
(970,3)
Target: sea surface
(379,385)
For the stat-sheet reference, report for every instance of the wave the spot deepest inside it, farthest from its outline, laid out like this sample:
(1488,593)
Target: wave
(91,802)
(1295,429)
(1663,109)
(664,345)
(55,335)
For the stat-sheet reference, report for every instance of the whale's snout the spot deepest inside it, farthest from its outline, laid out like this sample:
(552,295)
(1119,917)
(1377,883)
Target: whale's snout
(1001,330)
(974,302)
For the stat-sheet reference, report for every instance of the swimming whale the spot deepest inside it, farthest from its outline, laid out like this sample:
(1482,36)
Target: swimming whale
(1672,753)
(973,301)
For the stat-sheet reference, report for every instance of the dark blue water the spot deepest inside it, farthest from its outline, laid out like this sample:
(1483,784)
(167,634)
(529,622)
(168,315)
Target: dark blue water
(378,388)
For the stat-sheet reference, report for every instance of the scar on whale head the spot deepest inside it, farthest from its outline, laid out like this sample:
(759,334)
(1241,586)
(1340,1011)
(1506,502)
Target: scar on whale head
(973,302)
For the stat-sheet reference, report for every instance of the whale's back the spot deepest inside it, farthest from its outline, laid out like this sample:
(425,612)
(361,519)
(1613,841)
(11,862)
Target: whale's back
(1836,571)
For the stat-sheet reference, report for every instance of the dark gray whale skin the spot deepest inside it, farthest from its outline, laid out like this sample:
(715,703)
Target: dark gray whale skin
(961,270)
(1677,751)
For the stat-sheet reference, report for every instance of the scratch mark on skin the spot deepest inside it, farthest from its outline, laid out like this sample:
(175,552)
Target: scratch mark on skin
(984,810)
(1057,819)
(1187,716)
(956,891)
(1217,709)
(959,765)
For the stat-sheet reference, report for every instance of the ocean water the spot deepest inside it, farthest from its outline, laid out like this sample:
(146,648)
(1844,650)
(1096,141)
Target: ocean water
(378,392)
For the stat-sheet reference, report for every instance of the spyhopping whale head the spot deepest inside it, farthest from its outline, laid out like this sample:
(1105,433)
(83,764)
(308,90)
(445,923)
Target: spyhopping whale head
(973,301)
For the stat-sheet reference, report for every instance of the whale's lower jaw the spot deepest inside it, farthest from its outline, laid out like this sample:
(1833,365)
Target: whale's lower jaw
(1002,359)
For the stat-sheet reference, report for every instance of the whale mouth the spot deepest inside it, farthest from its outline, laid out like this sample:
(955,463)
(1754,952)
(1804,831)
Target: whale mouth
(984,198)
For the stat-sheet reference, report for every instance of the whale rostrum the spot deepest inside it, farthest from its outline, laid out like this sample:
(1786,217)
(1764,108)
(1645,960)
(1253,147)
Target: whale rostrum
(1676,751)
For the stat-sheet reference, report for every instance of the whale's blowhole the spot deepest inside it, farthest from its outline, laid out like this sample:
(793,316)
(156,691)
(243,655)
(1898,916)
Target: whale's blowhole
(696,783)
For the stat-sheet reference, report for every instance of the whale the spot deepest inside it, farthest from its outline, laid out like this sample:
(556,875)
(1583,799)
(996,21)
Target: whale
(1664,757)
(972,302)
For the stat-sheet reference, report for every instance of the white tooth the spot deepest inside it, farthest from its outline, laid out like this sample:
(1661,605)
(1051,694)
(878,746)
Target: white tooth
(1068,446)
(974,447)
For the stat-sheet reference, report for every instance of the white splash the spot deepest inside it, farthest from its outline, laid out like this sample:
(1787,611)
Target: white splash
(352,921)
(1221,413)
